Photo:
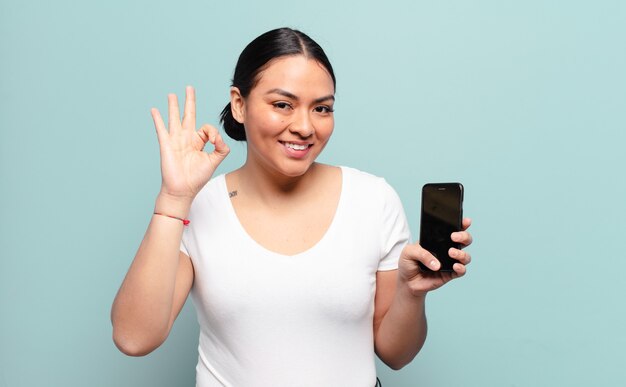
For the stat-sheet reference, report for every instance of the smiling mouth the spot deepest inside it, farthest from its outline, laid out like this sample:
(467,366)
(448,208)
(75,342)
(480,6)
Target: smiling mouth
(294,146)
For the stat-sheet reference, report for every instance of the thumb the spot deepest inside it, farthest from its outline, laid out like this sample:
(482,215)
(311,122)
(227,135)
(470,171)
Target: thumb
(206,132)
(210,134)
(220,146)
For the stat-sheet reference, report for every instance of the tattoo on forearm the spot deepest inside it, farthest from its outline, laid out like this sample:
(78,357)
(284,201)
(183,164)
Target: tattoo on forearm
(232,194)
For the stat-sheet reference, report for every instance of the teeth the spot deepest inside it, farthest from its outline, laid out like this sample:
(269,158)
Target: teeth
(296,146)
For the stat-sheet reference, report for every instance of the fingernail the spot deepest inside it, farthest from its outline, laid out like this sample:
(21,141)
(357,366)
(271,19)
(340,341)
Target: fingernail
(433,264)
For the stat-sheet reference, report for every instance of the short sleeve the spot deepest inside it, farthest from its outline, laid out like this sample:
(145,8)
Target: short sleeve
(183,248)
(395,232)
(184,240)
(187,242)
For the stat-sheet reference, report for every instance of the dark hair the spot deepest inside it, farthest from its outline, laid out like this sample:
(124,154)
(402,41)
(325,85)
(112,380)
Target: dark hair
(256,56)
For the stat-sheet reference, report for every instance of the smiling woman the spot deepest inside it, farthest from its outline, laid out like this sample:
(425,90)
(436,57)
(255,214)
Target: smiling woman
(300,272)
(288,113)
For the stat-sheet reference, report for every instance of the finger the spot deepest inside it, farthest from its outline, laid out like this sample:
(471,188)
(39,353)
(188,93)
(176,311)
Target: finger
(158,124)
(467,222)
(418,254)
(173,112)
(460,255)
(210,134)
(206,133)
(462,237)
(220,146)
(459,270)
(189,116)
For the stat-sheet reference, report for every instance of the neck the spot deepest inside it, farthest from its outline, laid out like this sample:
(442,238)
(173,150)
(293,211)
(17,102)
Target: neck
(270,185)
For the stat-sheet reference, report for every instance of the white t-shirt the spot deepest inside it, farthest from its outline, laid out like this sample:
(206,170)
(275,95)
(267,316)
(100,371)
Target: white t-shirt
(268,319)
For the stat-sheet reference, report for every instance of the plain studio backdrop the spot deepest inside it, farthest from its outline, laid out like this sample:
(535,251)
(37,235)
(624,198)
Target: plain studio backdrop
(523,102)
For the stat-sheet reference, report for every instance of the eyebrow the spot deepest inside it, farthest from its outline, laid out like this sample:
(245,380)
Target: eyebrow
(295,97)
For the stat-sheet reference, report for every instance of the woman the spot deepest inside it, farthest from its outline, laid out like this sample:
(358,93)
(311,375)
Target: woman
(299,271)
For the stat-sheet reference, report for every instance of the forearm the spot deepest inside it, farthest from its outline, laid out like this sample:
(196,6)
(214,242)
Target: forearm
(402,331)
(142,309)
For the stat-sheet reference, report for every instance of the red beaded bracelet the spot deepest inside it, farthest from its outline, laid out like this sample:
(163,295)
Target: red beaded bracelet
(185,221)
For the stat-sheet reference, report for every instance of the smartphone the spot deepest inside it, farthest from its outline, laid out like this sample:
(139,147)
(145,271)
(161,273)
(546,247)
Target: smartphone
(442,214)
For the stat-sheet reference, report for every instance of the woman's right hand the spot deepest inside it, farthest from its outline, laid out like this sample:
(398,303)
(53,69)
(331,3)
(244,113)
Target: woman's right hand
(185,167)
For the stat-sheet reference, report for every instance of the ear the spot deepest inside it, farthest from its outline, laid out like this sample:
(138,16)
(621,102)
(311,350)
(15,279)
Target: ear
(237,105)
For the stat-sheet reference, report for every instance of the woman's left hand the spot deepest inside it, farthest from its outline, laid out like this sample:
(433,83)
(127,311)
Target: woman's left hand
(420,281)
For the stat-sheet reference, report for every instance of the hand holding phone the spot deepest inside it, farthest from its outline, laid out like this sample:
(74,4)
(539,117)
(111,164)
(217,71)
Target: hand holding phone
(442,214)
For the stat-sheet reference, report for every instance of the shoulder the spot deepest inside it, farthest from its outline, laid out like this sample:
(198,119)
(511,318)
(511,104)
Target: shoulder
(356,176)
(211,199)
(214,186)
(212,191)
(368,183)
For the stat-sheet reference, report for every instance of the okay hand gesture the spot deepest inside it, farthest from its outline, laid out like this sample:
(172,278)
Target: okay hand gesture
(185,167)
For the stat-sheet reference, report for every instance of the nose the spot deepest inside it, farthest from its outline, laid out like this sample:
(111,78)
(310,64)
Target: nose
(302,125)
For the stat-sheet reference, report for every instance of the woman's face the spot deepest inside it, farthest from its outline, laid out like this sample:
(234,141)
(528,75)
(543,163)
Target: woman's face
(288,115)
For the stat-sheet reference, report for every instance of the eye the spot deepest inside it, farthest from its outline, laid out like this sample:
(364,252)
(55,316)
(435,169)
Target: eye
(282,105)
(323,109)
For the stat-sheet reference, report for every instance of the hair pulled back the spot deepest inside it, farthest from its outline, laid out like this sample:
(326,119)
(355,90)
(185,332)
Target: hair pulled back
(256,56)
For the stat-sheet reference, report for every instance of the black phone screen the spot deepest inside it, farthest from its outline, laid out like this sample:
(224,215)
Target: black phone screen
(442,214)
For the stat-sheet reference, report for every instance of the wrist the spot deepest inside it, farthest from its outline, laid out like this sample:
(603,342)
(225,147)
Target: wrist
(407,293)
(173,206)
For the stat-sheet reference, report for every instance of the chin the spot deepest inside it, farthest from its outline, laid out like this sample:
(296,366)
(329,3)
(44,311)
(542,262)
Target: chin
(296,169)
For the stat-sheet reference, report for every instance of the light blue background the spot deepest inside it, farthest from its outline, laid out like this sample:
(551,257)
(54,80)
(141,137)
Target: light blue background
(523,102)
